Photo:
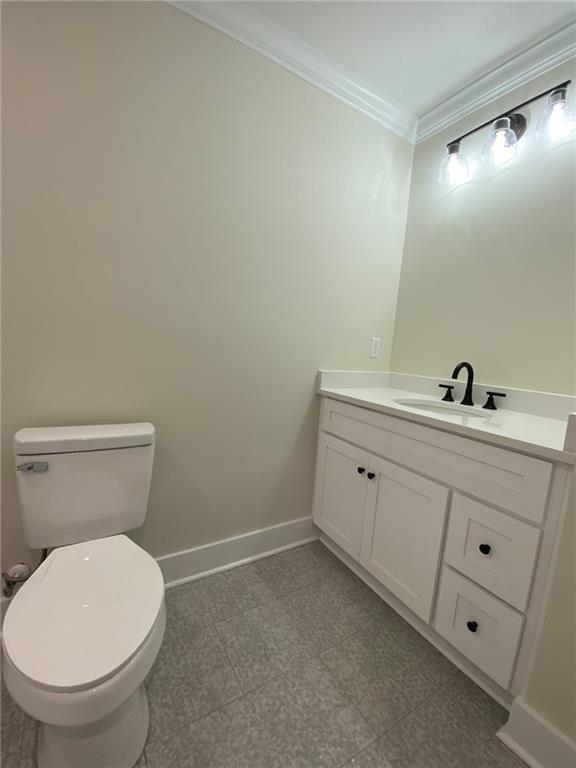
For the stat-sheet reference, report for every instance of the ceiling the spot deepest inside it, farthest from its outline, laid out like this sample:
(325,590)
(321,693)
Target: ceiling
(415,66)
(419,53)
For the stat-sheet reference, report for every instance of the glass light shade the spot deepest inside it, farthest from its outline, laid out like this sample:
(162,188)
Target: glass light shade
(454,169)
(559,119)
(500,146)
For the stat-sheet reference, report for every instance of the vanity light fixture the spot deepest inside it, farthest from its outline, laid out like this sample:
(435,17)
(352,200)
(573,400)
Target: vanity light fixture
(560,117)
(501,144)
(454,169)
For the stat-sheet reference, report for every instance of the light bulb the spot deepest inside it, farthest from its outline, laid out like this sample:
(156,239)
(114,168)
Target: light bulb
(454,169)
(560,118)
(500,146)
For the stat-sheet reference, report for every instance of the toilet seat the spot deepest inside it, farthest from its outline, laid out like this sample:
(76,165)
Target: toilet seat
(83,614)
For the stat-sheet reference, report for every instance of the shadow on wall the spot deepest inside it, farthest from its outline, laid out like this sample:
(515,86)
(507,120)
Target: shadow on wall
(297,479)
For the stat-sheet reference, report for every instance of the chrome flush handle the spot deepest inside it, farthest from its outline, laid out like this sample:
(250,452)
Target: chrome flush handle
(33,466)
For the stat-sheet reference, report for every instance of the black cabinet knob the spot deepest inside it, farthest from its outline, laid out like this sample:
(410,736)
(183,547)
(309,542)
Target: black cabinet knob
(472,625)
(485,549)
(361,470)
(370,475)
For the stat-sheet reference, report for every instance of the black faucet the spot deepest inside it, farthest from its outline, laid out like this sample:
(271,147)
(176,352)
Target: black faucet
(467,399)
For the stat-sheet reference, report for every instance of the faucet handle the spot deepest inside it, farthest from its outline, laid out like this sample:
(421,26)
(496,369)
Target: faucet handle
(448,394)
(490,405)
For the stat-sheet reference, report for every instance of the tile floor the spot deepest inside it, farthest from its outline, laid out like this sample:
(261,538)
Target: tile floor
(292,662)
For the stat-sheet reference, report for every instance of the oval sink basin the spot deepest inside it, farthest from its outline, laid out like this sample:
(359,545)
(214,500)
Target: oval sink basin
(441,407)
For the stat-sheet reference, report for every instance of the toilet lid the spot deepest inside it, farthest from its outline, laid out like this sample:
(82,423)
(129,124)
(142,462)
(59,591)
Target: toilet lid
(83,613)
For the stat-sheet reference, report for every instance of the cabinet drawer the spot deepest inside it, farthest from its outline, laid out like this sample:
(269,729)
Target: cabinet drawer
(492,548)
(507,479)
(483,628)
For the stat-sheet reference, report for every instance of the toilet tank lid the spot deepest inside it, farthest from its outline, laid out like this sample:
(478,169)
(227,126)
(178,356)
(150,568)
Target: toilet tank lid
(99,437)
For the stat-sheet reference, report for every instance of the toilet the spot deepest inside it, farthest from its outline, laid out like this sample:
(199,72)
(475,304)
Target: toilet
(81,635)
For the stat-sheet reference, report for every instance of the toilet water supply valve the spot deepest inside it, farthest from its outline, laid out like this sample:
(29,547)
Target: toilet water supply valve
(16,574)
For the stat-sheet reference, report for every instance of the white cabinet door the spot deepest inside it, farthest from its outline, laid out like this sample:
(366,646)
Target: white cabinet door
(403,530)
(340,492)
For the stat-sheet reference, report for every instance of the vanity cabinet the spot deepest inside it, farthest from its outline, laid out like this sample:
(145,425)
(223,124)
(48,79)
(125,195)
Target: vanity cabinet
(451,526)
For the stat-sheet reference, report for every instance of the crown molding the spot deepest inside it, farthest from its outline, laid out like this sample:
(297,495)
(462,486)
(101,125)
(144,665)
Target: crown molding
(243,23)
(264,36)
(517,71)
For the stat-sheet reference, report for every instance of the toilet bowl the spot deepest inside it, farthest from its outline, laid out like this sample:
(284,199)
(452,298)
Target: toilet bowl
(79,639)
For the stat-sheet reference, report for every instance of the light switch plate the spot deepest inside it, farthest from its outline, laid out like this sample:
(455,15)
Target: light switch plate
(375,346)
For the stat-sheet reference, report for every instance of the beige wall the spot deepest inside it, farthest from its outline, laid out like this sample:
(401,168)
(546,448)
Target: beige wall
(488,269)
(190,232)
(551,689)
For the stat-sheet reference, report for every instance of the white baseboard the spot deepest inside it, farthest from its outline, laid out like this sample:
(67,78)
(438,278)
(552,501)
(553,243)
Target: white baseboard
(536,741)
(181,567)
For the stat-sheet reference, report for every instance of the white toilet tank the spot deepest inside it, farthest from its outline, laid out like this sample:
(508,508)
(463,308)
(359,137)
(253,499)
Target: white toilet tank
(82,483)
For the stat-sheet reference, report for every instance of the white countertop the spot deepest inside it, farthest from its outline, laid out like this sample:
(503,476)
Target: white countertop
(530,433)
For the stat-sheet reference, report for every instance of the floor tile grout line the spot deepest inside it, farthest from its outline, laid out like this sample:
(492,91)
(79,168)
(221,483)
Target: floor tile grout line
(348,638)
(274,595)
(243,695)
(353,704)
(317,652)
(316,655)
(408,714)
(274,677)
(272,599)
(220,706)
(286,673)
(200,717)
(381,734)
(312,583)
(275,598)
(229,660)
(357,754)
(214,624)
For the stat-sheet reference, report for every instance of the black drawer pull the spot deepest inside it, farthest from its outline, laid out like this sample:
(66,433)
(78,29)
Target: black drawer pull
(370,475)
(485,549)
(472,625)
(361,470)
